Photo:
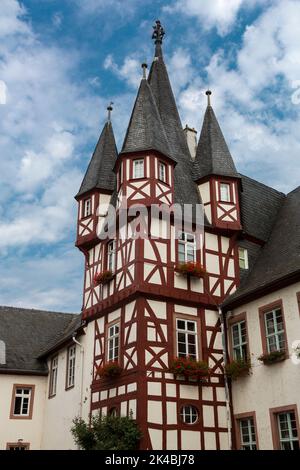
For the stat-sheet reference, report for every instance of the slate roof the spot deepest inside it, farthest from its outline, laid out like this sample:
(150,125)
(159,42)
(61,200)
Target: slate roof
(259,207)
(280,257)
(145,130)
(185,191)
(28,333)
(99,174)
(213,156)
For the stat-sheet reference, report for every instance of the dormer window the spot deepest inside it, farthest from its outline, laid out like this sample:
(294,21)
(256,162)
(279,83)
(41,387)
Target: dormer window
(87,207)
(243,258)
(162,172)
(225,195)
(138,168)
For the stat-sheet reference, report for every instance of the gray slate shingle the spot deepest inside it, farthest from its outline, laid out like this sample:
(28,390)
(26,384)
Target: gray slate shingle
(280,257)
(99,174)
(27,333)
(213,156)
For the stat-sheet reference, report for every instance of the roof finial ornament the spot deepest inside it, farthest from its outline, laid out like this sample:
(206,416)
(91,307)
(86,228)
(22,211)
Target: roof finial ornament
(109,110)
(144,67)
(158,33)
(208,94)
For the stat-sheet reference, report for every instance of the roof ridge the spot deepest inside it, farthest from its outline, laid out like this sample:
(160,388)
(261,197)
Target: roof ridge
(262,184)
(35,310)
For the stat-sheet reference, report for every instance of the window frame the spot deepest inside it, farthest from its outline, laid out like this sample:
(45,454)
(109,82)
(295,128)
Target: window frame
(274,412)
(186,243)
(112,253)
(50,391)
(230,192)
(245,258)
(116,322)
(196,320)
(237,420)
(262,312)
(30,404)
(133,174)
(183,406)
(165,166)
(241,317)
(84,202)
(69,358)
(23,445)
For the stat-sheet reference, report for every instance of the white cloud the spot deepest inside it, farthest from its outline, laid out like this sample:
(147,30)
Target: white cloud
(11,16)
(221,14)
(3,92)
(130,71)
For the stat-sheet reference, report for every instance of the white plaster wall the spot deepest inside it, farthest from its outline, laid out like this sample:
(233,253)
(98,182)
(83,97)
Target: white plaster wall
(65,406)
(29,430)
(269,386)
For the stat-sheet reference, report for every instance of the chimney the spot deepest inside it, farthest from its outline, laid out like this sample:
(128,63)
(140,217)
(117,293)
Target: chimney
(191,138)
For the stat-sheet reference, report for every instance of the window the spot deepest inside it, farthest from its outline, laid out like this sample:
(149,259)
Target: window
(17,446)
(189,414)
(162,172)
(113,342)
(87,207)
(243,258)
(247,434)
(22,402)
(113,412)
(138,168)
(287,430)
(71,366)
(186,338)
(225,192)
(239,341)
(186,247)
(111,256)
(53,376)
(275,334)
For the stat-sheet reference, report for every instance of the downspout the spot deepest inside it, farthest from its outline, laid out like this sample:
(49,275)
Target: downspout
(81,379)
(227,394)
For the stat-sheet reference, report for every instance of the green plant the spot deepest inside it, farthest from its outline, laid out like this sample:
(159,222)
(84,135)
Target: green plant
(106,433)
(272,357)
(237,368)
(110,369)
(189,368)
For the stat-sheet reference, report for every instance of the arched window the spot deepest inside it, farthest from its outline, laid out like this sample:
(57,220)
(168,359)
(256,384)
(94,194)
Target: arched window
(189,414)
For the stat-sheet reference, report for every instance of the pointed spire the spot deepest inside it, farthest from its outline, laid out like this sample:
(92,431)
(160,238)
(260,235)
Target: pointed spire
(99,174)
(145,130)
(213,156)
(185,189)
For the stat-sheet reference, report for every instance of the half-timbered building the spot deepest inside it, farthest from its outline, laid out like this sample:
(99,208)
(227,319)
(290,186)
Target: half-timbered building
(159,296)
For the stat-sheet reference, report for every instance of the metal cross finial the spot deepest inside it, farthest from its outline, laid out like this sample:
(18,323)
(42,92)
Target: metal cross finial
(208,94)
(158,33)
(109,109)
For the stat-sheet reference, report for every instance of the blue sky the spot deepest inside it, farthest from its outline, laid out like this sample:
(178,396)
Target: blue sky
(62,61)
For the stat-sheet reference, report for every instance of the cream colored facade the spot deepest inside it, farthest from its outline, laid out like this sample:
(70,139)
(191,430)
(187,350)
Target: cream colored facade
(269,386)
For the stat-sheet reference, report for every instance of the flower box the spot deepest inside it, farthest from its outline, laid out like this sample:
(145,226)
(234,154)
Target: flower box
(190,269)
(110,369)
(272,357)
(190,368)
(102,277)
(237,368)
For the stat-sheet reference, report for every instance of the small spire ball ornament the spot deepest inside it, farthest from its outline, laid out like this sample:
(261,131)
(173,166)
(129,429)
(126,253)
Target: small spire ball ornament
(109,110)
(208,94)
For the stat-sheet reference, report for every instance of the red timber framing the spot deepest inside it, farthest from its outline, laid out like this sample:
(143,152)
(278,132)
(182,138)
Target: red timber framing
(145,385)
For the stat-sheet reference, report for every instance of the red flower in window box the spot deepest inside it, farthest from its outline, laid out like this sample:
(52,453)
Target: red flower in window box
(102,277)
(191,269)
(238,368)
(189,368)
(110,369)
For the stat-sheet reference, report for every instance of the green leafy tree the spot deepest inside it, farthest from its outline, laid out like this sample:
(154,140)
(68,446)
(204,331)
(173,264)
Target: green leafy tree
(106,433)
